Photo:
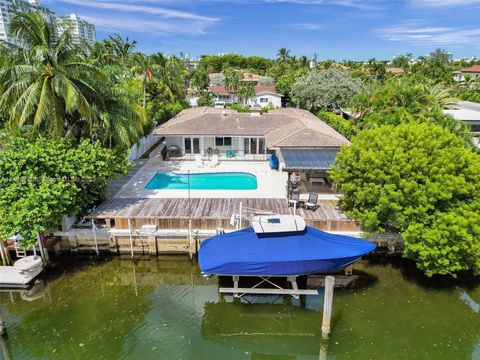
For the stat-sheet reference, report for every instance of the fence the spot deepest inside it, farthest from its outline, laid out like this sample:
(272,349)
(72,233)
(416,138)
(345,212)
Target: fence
(143,146)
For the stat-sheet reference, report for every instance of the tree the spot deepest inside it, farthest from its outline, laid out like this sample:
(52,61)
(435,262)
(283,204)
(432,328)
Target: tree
(283,55)
(200,80)
(120,48)
(402,61)
(145,67)
(266,81)
(245,90)
(205,99)
(218,80)
(233,78)
(46,81)
(418,180)
(44,180)
(325,89)
(377,69)
(440,56)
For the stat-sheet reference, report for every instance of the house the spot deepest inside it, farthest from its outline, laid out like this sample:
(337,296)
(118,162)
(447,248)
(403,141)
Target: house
(247,77)
(395,71)
(472,71)
(264,96)
(468,112)
(300,140)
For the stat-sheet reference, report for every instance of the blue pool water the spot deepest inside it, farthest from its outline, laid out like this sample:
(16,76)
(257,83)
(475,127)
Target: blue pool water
(203,181)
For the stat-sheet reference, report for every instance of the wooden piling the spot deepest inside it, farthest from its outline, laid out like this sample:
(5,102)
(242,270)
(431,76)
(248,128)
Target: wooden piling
(327,306)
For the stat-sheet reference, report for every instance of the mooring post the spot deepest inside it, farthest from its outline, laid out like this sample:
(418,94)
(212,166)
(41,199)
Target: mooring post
(327,306)
(131,237)
(4,253)
(43,251)
(94,230)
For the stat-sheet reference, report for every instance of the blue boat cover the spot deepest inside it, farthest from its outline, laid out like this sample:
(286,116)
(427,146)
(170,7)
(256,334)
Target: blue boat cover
(244,252)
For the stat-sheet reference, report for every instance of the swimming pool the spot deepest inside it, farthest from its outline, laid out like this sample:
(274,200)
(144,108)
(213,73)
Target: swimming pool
(203,181)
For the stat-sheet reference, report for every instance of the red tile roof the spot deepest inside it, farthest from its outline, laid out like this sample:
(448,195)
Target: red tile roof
(395,70)
(258,89)
(474,69)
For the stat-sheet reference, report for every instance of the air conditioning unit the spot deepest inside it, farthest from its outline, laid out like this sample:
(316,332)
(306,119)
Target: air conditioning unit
(149,229)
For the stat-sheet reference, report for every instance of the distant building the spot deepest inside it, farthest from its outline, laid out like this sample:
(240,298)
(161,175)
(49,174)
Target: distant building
(395,71)
(81,30)
(265,96)
(473,71)
(469,113)
(8,8)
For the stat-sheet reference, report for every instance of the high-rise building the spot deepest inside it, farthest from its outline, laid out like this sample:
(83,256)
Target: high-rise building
(9,7)
(81,30)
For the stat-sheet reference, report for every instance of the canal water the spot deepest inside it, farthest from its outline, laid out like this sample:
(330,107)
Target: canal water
(164,309)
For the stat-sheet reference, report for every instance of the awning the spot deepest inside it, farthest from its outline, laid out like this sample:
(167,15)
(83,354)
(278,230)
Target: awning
(308,159)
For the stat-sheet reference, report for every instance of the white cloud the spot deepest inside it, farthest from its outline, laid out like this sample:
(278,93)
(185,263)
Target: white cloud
(419,33)
(444,3)
(135,16)
(307,26)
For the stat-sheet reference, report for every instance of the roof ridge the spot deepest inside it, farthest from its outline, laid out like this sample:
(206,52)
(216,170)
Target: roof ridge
(333,136)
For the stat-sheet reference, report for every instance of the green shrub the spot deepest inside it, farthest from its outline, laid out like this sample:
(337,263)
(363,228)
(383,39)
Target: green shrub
(344,127)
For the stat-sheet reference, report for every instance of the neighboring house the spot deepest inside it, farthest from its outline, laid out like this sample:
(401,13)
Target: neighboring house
(473,71)
(468,112)
(300,140)
(247,77)
(395,71)
(264,96)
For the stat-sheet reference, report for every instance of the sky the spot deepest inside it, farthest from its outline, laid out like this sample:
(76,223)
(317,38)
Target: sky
(331,29)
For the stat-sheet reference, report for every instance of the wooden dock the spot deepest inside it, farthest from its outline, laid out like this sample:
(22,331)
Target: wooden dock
(210,213)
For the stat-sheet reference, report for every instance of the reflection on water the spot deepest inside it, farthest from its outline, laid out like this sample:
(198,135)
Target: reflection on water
(164,309)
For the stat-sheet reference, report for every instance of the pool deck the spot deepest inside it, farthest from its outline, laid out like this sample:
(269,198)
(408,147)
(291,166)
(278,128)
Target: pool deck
(271,184)
(209,209)
(209,213)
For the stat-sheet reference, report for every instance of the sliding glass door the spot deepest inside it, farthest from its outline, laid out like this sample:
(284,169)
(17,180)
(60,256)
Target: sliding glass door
(192,145)
(254,146)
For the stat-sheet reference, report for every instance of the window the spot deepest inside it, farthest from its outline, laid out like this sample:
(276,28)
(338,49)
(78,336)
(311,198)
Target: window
(223,141)
(264,100)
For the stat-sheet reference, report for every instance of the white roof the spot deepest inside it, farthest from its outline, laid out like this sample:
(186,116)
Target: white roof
(464,114)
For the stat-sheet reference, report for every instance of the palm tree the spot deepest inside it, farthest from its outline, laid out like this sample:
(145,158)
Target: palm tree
(45,82)
(145,67)
(303,61)
(120,48)
(283,55)
(438,96)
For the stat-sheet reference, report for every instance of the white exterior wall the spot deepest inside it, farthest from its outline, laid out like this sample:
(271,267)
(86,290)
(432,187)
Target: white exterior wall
(461,76)
(209,142)
(273,100)
(174,140)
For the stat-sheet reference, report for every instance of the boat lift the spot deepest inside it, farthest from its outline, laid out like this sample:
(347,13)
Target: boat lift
(239,292)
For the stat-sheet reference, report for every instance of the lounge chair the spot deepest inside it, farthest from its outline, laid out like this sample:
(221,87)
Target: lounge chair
(312,202)
(213,162)
(198,160)
(230,154)
(295,199)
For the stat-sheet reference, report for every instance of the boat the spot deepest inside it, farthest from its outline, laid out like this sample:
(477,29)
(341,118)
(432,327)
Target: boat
(22,273)
(268,224)
(279,250)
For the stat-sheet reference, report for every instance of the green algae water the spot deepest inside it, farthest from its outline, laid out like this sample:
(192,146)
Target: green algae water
(164,309)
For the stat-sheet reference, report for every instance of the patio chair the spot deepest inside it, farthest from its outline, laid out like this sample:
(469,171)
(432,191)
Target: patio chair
(312,202)
(295,200)
(198,160)
(213,162)
(230,154)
